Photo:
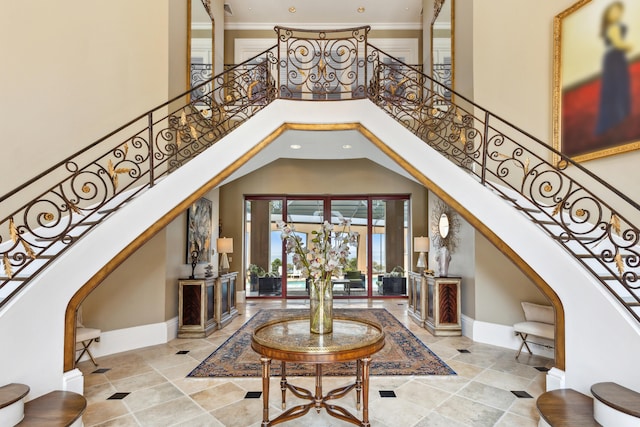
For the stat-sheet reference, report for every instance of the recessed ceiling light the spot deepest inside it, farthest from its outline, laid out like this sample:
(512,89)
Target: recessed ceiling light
(292,9)
(361,9)
(346,146)
(295,146)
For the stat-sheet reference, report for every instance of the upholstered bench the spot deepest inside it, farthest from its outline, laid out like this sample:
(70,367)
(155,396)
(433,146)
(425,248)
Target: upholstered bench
(539,322)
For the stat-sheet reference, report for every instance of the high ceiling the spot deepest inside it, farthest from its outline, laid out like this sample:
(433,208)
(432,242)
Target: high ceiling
(380,14)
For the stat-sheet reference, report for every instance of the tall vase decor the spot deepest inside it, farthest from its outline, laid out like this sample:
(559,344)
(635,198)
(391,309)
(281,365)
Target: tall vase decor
(443,258)
(324,258)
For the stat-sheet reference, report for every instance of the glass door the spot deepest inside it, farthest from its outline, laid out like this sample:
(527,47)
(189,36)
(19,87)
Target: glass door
(305,215)
(263,247)
(377,263)
(355,279)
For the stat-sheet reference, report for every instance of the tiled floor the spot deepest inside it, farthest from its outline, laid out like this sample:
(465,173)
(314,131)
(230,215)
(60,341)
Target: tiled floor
(159,394)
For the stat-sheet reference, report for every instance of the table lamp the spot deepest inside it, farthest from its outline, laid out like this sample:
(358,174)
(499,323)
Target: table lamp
(224,246)
(421,244)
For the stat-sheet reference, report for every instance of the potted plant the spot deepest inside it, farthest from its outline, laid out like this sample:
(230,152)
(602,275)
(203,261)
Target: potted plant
(255,272)
(394,282)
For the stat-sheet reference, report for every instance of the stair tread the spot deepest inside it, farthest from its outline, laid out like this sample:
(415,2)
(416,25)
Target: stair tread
(11,393)
(566,408)
(618,397)
(58,408)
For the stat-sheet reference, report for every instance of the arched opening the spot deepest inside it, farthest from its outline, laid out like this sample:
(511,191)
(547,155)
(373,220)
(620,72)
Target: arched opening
(96,280)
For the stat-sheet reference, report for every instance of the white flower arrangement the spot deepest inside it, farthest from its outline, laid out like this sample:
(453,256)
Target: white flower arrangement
(327,257)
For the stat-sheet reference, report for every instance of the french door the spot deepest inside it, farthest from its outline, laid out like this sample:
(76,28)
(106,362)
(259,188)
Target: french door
(377,262)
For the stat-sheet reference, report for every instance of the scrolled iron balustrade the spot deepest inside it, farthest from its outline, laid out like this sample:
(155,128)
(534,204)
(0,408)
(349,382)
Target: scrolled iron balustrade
(133,158)
(327,65)
(583,213)
(521,169)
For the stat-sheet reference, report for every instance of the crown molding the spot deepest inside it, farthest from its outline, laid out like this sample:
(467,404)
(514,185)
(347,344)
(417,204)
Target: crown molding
(322,26)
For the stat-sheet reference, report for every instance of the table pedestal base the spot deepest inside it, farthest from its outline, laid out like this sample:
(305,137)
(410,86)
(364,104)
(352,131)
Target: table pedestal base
(318,400)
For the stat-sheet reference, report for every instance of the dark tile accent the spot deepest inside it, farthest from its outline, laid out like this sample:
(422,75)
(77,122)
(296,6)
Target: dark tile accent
(183,352)
(463,350)
(253,395)
(520,394)
(118,396)
(542,368)
(101,370)
(387,393)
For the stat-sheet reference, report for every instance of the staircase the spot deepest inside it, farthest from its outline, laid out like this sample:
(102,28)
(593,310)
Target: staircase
(611,405)
(511,186)
(54,409)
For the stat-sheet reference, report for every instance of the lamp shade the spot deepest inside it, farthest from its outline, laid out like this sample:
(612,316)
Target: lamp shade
(421,244)
(225,245)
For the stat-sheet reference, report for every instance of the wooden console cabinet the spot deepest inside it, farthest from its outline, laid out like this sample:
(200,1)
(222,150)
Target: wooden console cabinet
(196,308)
(226,298)
(417,297)
(443,317)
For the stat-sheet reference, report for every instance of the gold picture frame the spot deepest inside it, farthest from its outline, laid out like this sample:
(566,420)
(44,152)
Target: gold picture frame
(579,34)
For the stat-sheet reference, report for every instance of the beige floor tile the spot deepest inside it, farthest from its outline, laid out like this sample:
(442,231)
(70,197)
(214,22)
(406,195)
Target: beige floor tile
(501,380)
(525,408)
(152,396)
(240,414)
(169,413)
(98,393)
(204,420)
(464,369)
(434,419)
(487,395)
(99,412)
(468,412)
(421,394)
(219,396)
(125,421)
(511,420)
(137,382)
(163,395)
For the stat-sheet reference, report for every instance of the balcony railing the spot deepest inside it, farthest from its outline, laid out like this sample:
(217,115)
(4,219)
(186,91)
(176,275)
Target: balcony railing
(586,215)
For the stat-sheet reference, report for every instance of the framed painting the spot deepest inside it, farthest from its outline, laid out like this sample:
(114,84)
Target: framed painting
(596,93)
(199,230)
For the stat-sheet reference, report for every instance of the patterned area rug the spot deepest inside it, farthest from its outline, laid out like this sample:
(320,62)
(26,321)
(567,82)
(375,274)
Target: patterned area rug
(403,353)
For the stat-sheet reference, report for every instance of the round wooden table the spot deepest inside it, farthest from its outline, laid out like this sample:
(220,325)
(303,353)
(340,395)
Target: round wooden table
(290,340)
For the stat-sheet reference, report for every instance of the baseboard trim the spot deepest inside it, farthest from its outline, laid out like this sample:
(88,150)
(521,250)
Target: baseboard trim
(502,336)
(126,339)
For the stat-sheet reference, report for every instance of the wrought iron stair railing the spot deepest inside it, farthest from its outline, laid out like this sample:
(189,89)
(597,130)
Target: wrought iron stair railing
(103,177)
(590,218)
(594,221)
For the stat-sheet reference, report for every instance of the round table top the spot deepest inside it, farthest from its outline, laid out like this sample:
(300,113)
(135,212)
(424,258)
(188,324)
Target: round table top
(291,340)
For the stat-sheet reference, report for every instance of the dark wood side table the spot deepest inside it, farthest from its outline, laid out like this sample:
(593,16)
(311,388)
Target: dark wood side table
(196,307)
(290,340)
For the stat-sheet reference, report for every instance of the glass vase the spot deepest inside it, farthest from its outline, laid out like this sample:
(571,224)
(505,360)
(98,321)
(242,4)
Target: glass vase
(321,304)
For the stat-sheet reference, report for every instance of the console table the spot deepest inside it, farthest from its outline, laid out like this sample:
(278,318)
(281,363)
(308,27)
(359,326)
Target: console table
(196,307)
(206,304)
(443,317)
(226,298)
(417,300)
(290,340)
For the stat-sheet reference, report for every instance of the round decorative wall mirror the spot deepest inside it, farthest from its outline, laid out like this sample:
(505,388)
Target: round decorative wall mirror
(443,226)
